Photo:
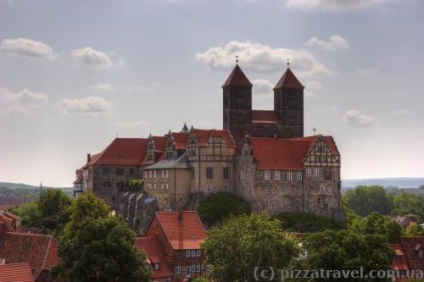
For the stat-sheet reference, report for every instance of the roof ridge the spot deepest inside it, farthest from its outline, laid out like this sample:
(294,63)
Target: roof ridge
(45,257)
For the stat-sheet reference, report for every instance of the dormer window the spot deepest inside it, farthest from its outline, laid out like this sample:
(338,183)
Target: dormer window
(419,249)
(156,266)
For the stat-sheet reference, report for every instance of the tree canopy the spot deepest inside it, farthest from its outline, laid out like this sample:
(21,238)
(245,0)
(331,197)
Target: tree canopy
(409,204)
(307,222)
(246,242)
(97,246)
(376,223)
(364,200)
(220,205)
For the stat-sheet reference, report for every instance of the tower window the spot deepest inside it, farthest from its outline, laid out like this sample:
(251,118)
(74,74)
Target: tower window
(209,172)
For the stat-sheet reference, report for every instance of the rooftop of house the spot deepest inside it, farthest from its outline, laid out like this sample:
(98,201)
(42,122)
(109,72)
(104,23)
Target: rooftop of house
(155,255)
(285,154)
(183,229)
(16,272)
(204,136)
(40,251)
(413,248)
(400,261)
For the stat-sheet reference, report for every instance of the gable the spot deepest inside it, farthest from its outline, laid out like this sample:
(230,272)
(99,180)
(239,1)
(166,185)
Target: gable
(321,154)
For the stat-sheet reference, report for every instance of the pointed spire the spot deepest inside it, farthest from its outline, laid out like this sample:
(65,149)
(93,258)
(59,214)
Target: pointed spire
(237,78)
(289,80)
(184,129)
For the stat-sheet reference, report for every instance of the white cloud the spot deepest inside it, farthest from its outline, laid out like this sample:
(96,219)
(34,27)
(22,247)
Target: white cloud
(22,102)
(312,88)
(107,87)
(332,5)
(90,105)
(357,118)
(262,89)
(334,43)
(263,58)
(368,72)
(90,57)
(132,124)
(26,48)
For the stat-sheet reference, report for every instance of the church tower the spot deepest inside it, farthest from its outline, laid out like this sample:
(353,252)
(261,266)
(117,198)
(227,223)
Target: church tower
(288,104)
(237,105)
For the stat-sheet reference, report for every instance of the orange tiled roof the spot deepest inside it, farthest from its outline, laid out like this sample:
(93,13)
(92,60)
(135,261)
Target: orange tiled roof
(237,78)
(180,140)
(154,253)
(279,154)
(16,272)
(329,140)
(264,116)
(40,251)
(185,234)
(289,80)
(203,136)
(412,247)
(400,261)
(122,151)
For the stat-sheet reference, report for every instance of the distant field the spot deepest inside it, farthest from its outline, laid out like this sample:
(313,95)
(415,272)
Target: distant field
(400,182)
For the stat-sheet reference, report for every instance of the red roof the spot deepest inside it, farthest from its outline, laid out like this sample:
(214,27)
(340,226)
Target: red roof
(154,253)
(122,151)
(279,154)
(400,261)
(185,234)
(16,272)
(288,80)
(40,251)
(5,207)
(203,136)
(237,78)
(413,247)
(180,140)
(264,116)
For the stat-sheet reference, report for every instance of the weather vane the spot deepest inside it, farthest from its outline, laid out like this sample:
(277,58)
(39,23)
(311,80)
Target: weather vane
(288,62)
(237,59)
(314,130)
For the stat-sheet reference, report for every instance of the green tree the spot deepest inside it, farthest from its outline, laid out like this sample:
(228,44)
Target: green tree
(307,222)
(407,204)
(219,206)
(414,229)
(246,242)
(344,250)
(376,223)
(364,200)
(97,246)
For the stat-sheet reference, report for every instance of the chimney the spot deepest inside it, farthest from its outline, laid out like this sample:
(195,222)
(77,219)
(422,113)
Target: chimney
(88,158)
(180,215)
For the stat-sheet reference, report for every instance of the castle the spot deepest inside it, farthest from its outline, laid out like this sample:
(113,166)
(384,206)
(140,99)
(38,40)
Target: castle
(261,155)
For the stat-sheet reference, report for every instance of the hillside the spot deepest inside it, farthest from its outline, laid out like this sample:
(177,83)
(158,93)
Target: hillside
(400,182)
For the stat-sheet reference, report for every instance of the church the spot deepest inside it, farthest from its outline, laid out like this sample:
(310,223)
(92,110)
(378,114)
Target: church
(260,155)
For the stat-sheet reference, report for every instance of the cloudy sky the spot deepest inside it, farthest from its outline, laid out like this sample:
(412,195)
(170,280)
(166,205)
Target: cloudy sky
(76,74)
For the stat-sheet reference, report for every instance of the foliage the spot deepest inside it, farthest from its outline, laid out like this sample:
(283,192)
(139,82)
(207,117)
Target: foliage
(200,279)
(135,184)
(50,212)
(364,200)
(345,250)
(97,246)
(219,206)
(414,229)
(246,242)
(407,203)
(307,222)
(376,223)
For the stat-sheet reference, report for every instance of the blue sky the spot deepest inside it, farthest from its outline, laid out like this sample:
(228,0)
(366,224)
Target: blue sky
(76,74)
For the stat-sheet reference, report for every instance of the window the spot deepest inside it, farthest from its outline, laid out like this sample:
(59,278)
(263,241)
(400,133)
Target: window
(162,173)
(208,267)
(226,173)
(178,269)
(188,252)
(166,186)
(308,172)
(188,268)
(316,172)
(154,185)
(154,174)
(198,253)
(197,267)
(328,175)
(151,174)
(209,172)
(193,253)
(166,174)
(267,175)
(210,189)
(193,172)
(161,186)
(156,266)
(193,268)
(289,175)
(119,171)
(277,175)
(299,175)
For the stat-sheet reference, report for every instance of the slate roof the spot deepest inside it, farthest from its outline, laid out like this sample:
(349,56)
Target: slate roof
(155,254)
(16,272)
(237,78)
(288,81)
(185,234)
(181,162)
(40,251)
